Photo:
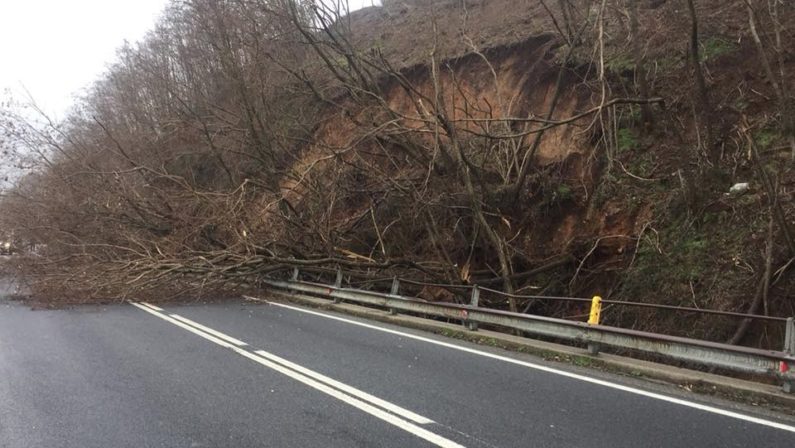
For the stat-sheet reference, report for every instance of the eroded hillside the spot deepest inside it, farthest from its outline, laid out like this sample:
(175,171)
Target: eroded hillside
(555,148)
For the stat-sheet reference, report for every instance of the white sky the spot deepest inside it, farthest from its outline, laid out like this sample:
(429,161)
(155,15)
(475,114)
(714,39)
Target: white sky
(54,48)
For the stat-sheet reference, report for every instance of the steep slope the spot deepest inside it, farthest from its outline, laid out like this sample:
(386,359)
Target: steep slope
(550,147)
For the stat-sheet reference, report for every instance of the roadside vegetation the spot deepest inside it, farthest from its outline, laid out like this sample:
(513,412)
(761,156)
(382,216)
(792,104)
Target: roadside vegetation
(635,149)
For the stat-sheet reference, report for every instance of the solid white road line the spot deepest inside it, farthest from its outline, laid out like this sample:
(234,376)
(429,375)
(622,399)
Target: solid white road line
(215,333)
(370,409)
(156,308)
(261,358)
(185,326)
(395,409)
(621,387)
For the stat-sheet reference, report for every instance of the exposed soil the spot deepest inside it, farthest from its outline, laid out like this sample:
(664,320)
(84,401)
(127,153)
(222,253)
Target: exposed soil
(626,221)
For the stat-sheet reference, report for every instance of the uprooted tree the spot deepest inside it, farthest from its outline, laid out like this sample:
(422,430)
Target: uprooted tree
(243,137)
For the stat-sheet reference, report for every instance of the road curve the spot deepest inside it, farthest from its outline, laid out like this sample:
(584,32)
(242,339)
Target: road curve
(268,375)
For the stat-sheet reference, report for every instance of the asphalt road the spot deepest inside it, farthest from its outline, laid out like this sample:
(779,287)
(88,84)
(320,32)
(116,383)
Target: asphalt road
(266,375)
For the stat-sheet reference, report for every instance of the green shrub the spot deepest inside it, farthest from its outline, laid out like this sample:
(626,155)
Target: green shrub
(563,192)
(715,47)
(765,137)
(626,140)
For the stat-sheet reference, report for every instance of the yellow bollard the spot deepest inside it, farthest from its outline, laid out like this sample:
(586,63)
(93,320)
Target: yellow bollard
(596,310)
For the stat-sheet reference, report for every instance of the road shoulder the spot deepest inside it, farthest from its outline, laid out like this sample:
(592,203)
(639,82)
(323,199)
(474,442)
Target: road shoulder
(742,391)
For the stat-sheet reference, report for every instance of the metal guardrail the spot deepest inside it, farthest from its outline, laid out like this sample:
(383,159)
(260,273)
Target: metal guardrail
(778,364)
(470,287)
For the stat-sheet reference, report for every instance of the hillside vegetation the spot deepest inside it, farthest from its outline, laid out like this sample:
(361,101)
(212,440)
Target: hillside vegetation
(552,147)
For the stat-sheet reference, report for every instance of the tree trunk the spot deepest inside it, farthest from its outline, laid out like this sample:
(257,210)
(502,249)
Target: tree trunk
(640,64)
(704,108)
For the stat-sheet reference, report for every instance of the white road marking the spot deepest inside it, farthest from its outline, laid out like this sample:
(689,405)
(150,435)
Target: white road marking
(209,337)
(262,358)
(632,390)
(372,410)
(215,333)
(156,308)
(395,409)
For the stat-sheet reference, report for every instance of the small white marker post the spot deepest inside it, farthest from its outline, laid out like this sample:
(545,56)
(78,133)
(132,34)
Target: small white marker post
(788,385)
(395,290)
(473,326)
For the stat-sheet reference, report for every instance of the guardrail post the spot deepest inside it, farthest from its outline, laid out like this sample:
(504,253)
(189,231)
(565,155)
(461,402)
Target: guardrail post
(788,385)
(395,290)
(294,277)
(473,301)
(593,319)
(755,361)
(338,280)
(338,283)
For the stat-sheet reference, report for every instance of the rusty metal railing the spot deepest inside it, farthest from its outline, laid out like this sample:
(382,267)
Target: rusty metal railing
(469,287)
(775,363)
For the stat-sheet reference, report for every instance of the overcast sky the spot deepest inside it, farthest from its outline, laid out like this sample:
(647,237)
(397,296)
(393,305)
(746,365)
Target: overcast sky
(55,48)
